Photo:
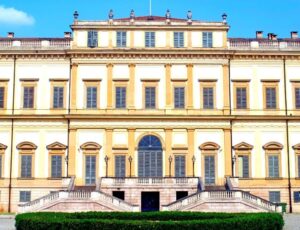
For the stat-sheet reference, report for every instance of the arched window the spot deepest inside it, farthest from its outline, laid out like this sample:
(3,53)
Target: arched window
(243,159)
(150,157)
(273,159)
(26,153)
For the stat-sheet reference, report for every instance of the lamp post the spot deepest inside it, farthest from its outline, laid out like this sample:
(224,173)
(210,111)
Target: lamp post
(170,164)
(106,163)
(130,161)
(194,160)
(233,165)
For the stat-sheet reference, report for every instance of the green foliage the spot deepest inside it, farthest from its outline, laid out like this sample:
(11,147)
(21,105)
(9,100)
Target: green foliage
(149,220)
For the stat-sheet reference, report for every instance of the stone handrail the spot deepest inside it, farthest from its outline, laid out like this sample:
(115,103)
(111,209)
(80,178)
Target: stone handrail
(263,44)
(77,195)
(222,195)
(71,184)
(34,43)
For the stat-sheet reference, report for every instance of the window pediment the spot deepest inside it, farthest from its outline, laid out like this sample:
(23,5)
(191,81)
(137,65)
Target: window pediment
(26,145)
(56,146)
(2,147)
(209,146)
(88,146)
(296,147)
(273,146)
(243,146)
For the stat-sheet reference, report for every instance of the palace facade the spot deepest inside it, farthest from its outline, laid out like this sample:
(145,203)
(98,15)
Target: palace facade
(149,113)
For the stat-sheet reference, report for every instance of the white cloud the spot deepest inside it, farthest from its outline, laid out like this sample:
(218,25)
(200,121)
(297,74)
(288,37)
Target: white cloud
(12,16)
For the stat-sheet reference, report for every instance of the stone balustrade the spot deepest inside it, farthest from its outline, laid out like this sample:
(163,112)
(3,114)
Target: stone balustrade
(263,44)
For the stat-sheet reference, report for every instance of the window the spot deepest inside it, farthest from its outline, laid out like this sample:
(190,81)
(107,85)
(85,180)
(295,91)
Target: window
(56,166)
(208,97)
(274,196)
(243,164)
(179,166)
(2,91)
(92,39)
(181,194)
(297,98)
(26,166)
(298,158)
(90,169)
(91,97)
(121,39)
(58,97)
(120,170)
(297,197)
(271,98)
(150,39)
(241,98)
(25,196)
(119,194)
(150,97)
(207,40)
(120,97)
(179,97)
(28,97)
(273,166)
(178,39)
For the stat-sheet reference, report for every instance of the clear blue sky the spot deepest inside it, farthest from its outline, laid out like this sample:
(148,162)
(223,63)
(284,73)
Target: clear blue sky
(51,18)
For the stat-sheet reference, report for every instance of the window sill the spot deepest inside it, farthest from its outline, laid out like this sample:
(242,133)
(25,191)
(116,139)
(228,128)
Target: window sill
(245,178)
(55,178)
(274,178)
(27,178)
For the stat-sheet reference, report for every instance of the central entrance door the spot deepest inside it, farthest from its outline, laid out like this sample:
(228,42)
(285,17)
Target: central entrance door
(150,157)
(209,170)
(150,201)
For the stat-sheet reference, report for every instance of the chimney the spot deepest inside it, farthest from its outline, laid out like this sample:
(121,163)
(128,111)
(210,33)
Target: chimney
(67,35)
(259,34)
(294,34)
(274,37)
(270,36)
(10,34)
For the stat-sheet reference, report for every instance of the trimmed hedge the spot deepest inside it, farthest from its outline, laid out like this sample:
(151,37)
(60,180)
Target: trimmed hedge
(150,220)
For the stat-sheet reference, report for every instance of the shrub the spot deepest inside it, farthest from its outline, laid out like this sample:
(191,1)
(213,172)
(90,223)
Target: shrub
(151,220)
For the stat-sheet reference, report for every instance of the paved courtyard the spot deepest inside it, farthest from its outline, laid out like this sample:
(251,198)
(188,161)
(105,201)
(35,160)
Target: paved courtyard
(292,222)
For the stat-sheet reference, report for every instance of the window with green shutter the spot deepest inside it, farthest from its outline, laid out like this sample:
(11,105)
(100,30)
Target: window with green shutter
(209,169)
(91,97)
(241,98)
(56,166)
(271,98)
(208,97)
(273,161)
(28,97)
(26,166)
(120,97)
(120,166)
(58,97)
(179,166)
(243,163)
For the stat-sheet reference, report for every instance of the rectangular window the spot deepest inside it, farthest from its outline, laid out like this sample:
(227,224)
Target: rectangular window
(209,169)
(26,166)
(56,166)
(120,97)
(207,40)
(121,39)
(178,39)
(150,97)
(120,162)
(241,98)
(297,98)
(179,166)
(150,39)
(273,166)
(92,39)
(28,97)
(243,163)
(297,197)
(274,196)
(25,196)
(91,97)
(271,98)
(2,91)
(208,97)
(0,166)
(179,97)
(58,97)
(90,170)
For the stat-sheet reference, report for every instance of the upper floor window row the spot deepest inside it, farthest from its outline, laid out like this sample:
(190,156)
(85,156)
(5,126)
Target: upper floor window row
(150,39)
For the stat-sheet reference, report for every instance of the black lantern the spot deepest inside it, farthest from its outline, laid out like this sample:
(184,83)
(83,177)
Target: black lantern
(170,165)
(106,163)
(194,160)
(130,161)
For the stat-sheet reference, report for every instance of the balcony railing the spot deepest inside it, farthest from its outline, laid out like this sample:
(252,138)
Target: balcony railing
(149,181)
(34,43)
(263,44)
